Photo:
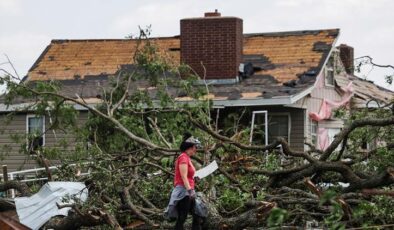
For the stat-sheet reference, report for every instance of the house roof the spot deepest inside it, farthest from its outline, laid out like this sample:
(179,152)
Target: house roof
(285,63)
(365,91)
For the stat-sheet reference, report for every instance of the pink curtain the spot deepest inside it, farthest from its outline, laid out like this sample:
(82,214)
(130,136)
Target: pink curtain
(326,110)
(327,105)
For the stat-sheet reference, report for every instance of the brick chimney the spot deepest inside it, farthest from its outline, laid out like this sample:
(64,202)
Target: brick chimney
(346,54)
(213,42)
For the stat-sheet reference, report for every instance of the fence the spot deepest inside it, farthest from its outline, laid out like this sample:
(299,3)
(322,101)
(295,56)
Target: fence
(31,173)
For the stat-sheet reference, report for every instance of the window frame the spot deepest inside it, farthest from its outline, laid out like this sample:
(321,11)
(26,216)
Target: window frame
(28,116)
(369,145)
(254,113)
(329,68)
(331,136)
(288,123)
(312,134)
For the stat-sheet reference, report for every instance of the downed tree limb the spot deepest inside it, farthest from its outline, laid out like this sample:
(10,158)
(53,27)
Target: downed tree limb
(45,162)
(22,188)
(383,179)
(126,200)
(74,221)
(348,129)
(256,214)
(373,192)
(345,206)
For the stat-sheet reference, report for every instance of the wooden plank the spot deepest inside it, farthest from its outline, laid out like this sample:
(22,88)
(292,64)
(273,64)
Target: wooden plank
(7,223)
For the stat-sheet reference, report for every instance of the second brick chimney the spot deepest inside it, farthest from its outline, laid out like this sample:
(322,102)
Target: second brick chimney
(346,54)
(214,43)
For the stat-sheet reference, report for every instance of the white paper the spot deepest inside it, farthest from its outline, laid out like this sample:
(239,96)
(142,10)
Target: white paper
(207,170)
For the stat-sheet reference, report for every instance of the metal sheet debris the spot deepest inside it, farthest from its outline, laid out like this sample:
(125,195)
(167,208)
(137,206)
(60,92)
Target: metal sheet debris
(36,210)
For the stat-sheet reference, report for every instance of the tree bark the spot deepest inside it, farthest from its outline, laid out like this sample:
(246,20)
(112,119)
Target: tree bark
(19,186)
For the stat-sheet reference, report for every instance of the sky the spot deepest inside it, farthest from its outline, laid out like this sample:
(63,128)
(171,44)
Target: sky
(27,27)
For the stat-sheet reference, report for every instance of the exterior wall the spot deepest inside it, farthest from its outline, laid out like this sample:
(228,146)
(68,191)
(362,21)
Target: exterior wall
(313,103)
(11,156)
(296,121)
(16,160)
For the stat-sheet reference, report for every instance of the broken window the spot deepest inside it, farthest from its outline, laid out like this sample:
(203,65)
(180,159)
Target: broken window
(279,126)
(330,72)
(368,144)
(332,132)
(35,133)
(314,127)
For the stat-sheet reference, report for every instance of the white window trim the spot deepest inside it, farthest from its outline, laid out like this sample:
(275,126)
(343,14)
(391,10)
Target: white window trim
(265,112)
(331,136)
(326,76)
(316,134)
(43,127)
(289,123)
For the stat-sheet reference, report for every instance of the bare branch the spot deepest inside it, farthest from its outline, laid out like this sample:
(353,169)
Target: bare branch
(347,130)
(373,63)
(125,195)
(13,68)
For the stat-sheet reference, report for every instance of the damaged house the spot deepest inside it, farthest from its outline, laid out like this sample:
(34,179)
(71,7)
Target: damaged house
(290,82)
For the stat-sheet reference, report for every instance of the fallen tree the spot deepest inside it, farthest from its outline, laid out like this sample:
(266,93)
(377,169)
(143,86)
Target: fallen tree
(133,141)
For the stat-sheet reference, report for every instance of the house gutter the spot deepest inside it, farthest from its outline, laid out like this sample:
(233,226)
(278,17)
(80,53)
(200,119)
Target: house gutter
(29,107)
(252,102)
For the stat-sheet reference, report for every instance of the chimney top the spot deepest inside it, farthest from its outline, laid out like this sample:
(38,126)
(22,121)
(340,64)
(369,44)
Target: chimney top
(212,14)
(346,53)
(212,46)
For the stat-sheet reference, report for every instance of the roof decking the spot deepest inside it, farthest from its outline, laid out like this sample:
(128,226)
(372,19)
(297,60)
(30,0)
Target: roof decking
(283,55)
(365,91)
(277,57)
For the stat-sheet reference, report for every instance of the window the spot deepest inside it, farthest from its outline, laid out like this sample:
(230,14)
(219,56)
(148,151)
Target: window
(314,126)
(367,145)
(332,132)
(35,132)
(279,126)
(259,128)
(330,72)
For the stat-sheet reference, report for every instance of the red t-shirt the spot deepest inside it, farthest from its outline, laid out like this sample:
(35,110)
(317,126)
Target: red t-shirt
(184,159)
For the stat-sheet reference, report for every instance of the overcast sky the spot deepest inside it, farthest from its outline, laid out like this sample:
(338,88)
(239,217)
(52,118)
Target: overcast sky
(27,26)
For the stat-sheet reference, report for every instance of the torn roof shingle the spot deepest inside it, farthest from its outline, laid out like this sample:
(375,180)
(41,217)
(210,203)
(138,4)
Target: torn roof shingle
(283,55)
(277,58)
